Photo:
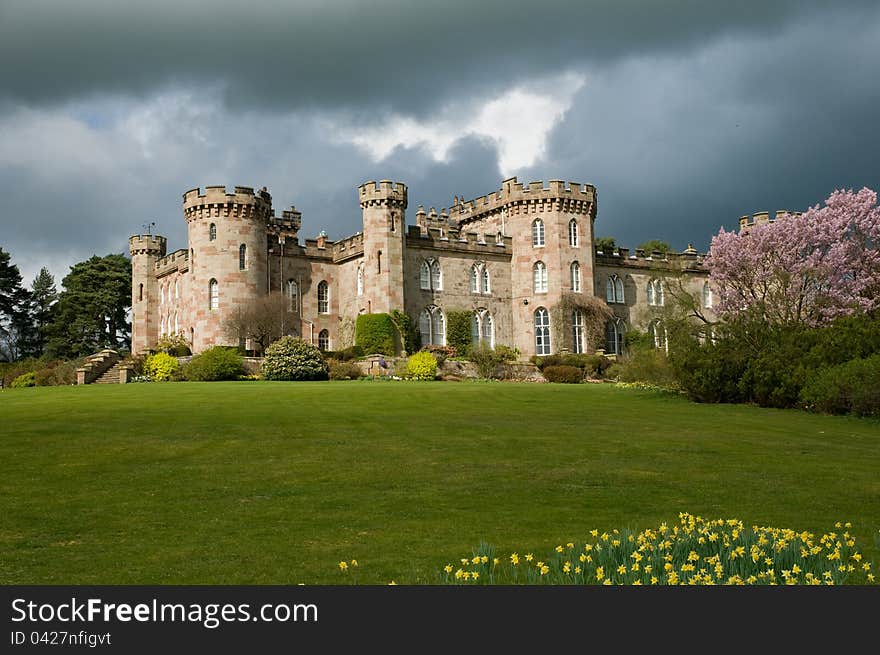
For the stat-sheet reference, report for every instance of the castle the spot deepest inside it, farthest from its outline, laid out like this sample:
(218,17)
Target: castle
(511,257)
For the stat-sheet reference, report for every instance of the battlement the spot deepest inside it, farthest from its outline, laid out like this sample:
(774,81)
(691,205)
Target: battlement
(689,259)
(574,197)
(456,240)
(175,261)
(242,202)
(762,218)
(349,247)
(147,244)
(386,192)
(289,222)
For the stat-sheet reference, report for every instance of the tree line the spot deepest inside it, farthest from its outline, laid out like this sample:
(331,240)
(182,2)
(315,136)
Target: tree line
(89,313)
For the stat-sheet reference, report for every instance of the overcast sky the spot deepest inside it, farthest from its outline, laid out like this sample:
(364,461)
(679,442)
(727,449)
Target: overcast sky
(684,114)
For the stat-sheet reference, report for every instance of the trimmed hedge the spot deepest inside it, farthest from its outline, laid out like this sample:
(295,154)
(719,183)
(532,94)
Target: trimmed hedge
(852,387)
(563,374)
(376,333)
(214,364)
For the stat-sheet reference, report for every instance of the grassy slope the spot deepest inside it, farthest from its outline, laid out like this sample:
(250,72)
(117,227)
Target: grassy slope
(258,483)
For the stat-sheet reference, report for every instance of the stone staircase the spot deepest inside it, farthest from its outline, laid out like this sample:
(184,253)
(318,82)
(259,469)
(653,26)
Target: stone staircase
(105,367)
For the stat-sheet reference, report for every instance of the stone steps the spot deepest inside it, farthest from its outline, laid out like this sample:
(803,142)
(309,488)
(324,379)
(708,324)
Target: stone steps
(110,376)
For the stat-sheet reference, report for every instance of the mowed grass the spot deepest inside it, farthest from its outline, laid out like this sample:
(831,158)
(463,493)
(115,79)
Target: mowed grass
(275,483)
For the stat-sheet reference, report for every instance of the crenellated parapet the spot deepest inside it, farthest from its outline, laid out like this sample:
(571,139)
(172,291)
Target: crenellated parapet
(689,259)
(217,202)
(175,261)
(384,194)
(458,240)
(347,248)
(147,244)
(762,218)
(515,198)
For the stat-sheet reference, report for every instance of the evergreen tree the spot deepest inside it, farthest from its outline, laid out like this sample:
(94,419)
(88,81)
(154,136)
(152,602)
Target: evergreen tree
(91,310)
(655,245)
(13,309)
(43,298)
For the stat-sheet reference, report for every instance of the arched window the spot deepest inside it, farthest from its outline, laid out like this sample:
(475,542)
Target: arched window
(324,340)
(141,291)
(538,232)
(430,275)
(487,287)
(176,289)
(432,326)
(242,257)
(577,331)
(658,334)
(614,337)
(323,297)
(573,236)
(176,324)
(293,295)
(539,272)
(614,290)
(360,280)
(213,294)
(542,332)
(162,294)
(475,279)
(482,328)
(707,295)
(575,277)
(655,293)
(162,327)
(212,232)
(480,278)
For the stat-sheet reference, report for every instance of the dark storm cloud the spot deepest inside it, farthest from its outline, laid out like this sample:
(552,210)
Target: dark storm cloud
(402,55)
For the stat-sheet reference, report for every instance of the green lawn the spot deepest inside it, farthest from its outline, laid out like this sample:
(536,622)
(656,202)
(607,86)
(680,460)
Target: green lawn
(259,482)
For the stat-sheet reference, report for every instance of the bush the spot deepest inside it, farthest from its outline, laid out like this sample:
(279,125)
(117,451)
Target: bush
(649,366)
(506,353)
(344,370)
(422,366)
(294,359)
(850,387)
(563,374)
(348,354)
(458,329)
(217,363)
(24,380)
(441,353)
(58,373)
(175,345)
(406,328)
(486,359)
(375,333)
(161,367)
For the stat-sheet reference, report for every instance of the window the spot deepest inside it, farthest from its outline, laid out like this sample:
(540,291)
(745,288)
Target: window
(707,295)
(242,257)
(162,295)
(538,232)
(480,278)
(577,331)
(483,328)
(176,289)
(141,291)
(176,324)
(540,277)
(212,232)
(430,276)
(360,280)
(575,277)
(614,290)
(542,332)
(324,340)
(213,294)
(162,327)
(658,334)
(432,326)
(573,233)
(655,293)
(614,337)
(323,297)
(293,295)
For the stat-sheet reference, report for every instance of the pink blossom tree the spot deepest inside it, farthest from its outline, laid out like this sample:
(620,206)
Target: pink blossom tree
(808,268)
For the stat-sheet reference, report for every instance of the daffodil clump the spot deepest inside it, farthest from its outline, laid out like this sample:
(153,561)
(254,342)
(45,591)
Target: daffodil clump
(697,551)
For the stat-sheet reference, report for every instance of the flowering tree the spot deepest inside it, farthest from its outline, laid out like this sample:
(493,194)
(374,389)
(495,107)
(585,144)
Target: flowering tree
(808,268)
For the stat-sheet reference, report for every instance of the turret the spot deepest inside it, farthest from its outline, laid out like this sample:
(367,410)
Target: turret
(228,256)
(384,217)
(145,250)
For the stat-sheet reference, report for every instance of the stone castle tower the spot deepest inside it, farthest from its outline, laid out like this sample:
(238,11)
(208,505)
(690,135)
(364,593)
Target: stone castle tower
(384,212)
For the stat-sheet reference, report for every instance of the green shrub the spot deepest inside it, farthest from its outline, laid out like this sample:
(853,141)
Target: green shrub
(563,374)
(161,367)
(486,359)
(58,373)
(217,363)
(649,366)
(406,328)
(458,329)
(24,380)
(294,359)
(422,366)
(441,353)
(344,370)
(345,355)
(853,386)
(375,333)
(175,345)
(506,353)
